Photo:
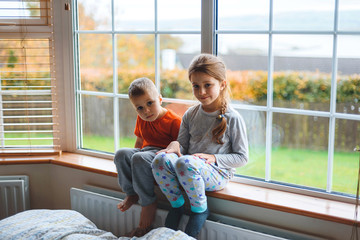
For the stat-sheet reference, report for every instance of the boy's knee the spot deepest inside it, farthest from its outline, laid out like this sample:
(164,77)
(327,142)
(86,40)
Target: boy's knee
(137,158)
(119,154)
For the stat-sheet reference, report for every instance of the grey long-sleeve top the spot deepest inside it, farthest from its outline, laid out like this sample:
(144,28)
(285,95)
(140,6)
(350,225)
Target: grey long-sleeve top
(195,136)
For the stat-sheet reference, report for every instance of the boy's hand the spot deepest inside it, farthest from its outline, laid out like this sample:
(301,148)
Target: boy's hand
(139,142)
(209,158)
(173,147)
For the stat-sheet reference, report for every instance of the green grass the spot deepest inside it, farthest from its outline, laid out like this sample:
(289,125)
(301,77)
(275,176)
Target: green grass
(26,140)
(295,166)
(105,144)
(306,168)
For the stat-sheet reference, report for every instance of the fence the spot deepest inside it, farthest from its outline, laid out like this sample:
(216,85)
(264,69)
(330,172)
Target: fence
(289,130)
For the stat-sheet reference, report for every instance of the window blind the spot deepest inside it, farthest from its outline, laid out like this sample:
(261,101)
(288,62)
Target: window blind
(28,104)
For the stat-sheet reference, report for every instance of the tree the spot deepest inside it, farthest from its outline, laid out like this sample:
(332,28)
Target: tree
(12,59)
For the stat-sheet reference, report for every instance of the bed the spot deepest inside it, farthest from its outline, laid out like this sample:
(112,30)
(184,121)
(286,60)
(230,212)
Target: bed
(67,224)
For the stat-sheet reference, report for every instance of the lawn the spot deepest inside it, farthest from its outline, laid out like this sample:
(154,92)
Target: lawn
(306,168)
(295,166)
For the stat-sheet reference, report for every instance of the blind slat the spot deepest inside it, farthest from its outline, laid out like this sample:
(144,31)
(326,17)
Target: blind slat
(22,139)
(27,109)
(33,146)
(28,101)
(37,131)
(27,124)
(27,79)
(35,116)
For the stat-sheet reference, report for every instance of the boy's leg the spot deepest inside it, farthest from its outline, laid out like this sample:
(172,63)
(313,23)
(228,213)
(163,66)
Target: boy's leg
(122,161)
(143,183)
(165,176)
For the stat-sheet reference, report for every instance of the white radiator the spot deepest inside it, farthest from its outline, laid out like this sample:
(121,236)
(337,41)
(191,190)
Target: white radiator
(101,210)
(14,195)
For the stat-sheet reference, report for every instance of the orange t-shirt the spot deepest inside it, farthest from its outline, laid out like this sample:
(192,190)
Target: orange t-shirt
(158,133)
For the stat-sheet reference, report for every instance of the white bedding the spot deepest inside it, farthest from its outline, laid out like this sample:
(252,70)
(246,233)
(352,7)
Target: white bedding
(66,224)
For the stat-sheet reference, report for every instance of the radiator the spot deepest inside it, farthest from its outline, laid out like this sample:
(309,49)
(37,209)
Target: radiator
(101,209)
(14,195)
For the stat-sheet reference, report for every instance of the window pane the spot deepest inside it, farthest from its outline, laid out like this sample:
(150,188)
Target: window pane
(27,116)
(135,59)
(300,150)
(19,9)
(177,51)
(302,71)
(93,15)
(349,12)
(304,15)
(97,123)
(129,16)
(243,15)
(25,13)
(96,67)
(346,161)
(20,127)
(256,128)
(179,15)
(127,123)
(246,59)
(348,84)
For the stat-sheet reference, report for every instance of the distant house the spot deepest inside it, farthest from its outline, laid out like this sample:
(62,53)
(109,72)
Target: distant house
(346,66)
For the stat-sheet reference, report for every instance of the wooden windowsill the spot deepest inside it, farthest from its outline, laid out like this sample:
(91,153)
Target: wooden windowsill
(314,207)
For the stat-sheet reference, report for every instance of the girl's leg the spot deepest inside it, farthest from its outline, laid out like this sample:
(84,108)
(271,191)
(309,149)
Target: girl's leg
(196,177)
(165,176)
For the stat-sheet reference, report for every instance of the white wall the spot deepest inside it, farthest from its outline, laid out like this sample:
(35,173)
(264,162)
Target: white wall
(50,189)
(50,184)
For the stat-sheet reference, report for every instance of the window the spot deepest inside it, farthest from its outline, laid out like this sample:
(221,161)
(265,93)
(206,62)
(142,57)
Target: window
(293,69)
(28,107)
(295,66)
(118,42)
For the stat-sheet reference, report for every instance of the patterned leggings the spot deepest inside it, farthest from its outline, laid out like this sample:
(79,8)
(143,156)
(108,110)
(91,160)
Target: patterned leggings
(190,172)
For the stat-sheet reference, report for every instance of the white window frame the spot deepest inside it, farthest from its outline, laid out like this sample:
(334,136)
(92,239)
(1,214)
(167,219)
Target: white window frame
(208,45)
(270,109)
(41,28)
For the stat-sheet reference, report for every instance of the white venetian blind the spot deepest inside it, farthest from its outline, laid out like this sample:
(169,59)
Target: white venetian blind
(28,105)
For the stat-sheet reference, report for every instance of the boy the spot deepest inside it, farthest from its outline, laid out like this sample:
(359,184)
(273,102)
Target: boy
(155,128)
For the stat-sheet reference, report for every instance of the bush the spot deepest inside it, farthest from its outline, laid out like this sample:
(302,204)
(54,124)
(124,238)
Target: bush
(249,86)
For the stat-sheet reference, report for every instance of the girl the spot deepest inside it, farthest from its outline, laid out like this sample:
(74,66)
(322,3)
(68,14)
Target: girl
(213,141)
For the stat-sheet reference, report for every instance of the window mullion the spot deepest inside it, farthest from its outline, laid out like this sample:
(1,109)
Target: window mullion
(157,49)
(115,81)
(332,120)
(78,94)
(207,26)
(270,83)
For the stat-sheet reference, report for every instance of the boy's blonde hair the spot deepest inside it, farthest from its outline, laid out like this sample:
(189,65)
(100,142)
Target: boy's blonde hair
(141,86)
(214,67)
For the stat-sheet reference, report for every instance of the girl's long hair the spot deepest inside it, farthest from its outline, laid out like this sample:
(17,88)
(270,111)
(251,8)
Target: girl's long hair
(214,67)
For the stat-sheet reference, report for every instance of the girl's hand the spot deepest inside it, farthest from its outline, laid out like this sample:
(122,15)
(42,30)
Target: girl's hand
(173,147)
(209,158)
